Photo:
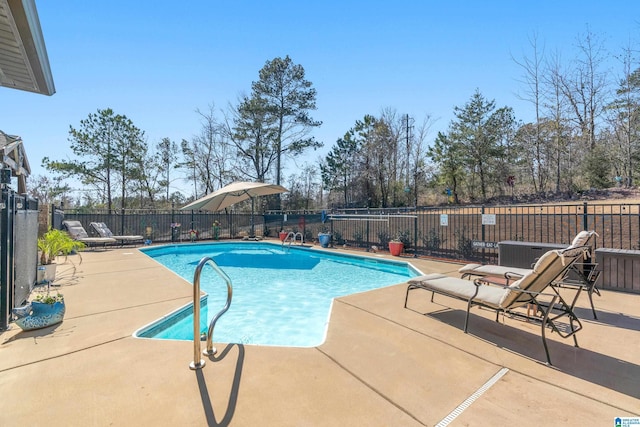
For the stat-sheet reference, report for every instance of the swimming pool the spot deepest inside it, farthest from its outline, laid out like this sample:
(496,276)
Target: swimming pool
(281,296)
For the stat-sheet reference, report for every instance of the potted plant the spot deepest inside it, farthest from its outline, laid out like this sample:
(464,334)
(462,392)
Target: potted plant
(283,235)
(401,242)
(396,247)
(52,244)
(324,238)
(44,310)
(215,230)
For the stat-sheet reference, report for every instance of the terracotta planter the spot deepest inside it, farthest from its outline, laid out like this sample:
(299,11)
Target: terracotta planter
(395,248)
(283,235)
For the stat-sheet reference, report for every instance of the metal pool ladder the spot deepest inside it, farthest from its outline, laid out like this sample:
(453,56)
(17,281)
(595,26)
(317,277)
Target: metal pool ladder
(294,237)
(198,362)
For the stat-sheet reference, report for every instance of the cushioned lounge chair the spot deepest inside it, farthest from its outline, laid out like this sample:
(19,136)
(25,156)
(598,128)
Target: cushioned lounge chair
(104,231)
(583,274)
(522,292)
(77,232)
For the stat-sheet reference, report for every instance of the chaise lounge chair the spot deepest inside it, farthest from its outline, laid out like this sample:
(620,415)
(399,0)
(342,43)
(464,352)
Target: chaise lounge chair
(77,232)
(104,231)
(582,274)
(522,292)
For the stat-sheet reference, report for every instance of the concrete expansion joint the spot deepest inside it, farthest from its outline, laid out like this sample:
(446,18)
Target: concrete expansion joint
(369,386)
(58,356)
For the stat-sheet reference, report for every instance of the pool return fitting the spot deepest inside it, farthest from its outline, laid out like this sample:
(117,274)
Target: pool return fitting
(198,362)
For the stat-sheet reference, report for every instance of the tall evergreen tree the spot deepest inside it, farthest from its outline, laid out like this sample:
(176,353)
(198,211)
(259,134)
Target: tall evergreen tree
(337,170)
(289,98)
(625,120)
(108,147)
(446,153)
(252,133)
(166,152)
(479,129)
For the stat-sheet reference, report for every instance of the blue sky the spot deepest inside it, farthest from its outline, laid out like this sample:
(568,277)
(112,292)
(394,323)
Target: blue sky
(157,62)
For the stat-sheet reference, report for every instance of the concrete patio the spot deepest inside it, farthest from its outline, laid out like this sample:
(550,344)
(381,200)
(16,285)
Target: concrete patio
(381,364)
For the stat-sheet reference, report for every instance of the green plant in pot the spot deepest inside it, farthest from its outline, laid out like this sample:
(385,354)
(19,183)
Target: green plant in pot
(48,298)
(55,243)
(44,310)
(395,247)
(399,243)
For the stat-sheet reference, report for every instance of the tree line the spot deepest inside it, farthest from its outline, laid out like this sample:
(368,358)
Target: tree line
(120,169)
(585,134)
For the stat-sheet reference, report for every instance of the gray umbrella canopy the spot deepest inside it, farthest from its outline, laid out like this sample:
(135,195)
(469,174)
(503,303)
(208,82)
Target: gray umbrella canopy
(231,194)
(234,193)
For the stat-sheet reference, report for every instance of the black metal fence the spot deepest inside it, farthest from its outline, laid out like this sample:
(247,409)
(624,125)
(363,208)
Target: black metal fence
(469,233)
(18,250)
(473,232)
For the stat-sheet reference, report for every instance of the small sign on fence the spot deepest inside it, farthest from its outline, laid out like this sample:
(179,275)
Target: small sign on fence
(488,219)
(481,244)
(444,220)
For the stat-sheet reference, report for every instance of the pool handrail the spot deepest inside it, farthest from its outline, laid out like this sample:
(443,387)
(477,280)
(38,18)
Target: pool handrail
(198,362)
(294,237)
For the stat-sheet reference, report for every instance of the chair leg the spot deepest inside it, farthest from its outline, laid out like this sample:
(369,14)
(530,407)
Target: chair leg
(544,343)
(590,280)
(593,308)
(543,324)
(466,317)
(406,297)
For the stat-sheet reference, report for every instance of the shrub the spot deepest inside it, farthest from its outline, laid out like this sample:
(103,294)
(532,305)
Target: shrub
(432,241)
(384,238)
(464,244)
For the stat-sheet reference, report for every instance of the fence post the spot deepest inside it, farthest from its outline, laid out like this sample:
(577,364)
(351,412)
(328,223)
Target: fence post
(415,234)
(585,217)
(368,239)
(122,222)
(173,221)
(482,232)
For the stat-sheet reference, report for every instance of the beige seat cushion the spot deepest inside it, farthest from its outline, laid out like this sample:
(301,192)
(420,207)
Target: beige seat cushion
(582,238)
(492,270)
(461,288)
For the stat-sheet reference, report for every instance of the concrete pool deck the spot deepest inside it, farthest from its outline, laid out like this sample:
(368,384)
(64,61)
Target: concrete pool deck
(381,364)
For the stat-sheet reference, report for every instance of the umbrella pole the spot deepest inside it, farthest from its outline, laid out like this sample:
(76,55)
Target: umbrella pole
(253,234)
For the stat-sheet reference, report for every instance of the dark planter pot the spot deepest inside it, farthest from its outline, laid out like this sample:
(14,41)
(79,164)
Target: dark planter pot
(395,248)
(324,239)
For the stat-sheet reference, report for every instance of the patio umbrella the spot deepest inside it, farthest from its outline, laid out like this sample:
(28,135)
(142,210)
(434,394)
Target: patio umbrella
(234,193)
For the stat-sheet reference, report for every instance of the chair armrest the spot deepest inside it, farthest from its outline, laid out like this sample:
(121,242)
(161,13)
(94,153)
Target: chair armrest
(512,275)
(483,281)
(568,283)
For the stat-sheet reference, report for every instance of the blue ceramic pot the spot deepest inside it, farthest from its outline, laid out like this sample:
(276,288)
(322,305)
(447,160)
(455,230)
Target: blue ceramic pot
(324,239)
(39,315)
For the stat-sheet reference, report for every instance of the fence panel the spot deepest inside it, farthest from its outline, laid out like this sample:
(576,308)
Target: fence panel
(454,232)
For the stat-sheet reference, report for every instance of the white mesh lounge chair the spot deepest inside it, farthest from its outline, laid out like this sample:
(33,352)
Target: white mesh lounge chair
(583,274)
(526,290)
(104,231)
(77,232)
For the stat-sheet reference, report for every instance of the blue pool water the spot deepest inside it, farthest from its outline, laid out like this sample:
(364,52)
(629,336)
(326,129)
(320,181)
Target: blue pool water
(281,296)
